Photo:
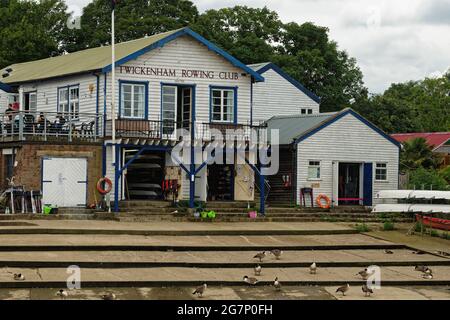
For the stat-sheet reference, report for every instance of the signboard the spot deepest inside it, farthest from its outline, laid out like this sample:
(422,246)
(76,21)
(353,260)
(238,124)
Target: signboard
(174,73)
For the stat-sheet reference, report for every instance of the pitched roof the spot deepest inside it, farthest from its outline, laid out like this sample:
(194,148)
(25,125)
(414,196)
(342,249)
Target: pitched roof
(100,58)
(263,67)
(296,128)
(434,139)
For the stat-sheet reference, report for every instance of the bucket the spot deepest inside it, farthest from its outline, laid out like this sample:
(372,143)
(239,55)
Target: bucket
(252,214)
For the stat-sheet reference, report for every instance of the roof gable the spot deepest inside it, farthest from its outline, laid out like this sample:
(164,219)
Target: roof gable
(97,59)
(5,87)
(434,139)
(263,67)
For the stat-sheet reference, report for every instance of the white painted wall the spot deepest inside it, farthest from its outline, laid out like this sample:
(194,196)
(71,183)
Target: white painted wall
(3,101)
(278,97)
(346,140)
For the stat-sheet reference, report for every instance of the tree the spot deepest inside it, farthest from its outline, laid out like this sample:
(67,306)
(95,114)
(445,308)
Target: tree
(416,153)
(31,30)
(427,179)
(133,18)
(247,33)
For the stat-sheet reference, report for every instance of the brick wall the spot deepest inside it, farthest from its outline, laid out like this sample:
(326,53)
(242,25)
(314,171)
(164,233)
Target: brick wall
(29,161)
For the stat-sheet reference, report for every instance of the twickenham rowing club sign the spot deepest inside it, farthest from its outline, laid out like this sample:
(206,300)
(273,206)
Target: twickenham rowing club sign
(183,73)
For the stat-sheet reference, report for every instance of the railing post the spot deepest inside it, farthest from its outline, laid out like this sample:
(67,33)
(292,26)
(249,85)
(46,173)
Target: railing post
(95,127)
(70,127)
(45,126)
(20,114)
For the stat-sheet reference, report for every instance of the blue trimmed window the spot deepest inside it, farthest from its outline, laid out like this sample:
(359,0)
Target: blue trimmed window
(133,99)
(223,104)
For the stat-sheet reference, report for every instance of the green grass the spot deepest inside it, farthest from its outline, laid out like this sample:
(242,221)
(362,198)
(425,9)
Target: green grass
(388,225)
(362,227)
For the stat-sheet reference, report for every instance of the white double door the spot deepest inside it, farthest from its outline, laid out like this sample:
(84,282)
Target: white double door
(175,99)
(64,182)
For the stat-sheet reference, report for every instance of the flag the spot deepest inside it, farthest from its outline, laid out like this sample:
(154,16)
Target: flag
(113,3)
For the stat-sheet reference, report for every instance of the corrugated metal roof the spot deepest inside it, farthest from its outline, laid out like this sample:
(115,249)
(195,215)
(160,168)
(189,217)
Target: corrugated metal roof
(77,62)
(434,139)
(294,126)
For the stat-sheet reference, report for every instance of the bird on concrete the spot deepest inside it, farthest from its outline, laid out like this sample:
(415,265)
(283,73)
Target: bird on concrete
(252,281)
(421,268)
(427,276)
(276,253)
(63,294)
(277,284)
(367,291)
(200,290)
(108,296)
(313,268)
(387,251)
(364,274)
(19,277)
(343,289)
(258,270)
(260,256)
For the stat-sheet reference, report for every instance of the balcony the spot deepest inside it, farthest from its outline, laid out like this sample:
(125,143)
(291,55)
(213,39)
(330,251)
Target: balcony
(165,130)
(50,126)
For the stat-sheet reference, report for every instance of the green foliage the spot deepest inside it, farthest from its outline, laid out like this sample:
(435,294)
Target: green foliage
(31,30)
(388,225)
(445,174)
(362,227)
(427,179)
(416,153)
(414,106)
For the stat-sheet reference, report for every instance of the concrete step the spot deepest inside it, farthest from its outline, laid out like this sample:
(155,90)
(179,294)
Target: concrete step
(179,276)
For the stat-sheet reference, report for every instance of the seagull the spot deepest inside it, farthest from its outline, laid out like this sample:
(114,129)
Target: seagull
(257,270)
(367,291)
(260,256)
(200,290)
(277,253)
(343,289)
(387,251)
(421,268)
(19,277)
(277,284)
(313,268)
(62,293)
(109,296)
(250,280)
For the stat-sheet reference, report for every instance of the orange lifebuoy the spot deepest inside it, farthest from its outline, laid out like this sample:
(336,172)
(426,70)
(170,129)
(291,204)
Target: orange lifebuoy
(319,199)
(108,184)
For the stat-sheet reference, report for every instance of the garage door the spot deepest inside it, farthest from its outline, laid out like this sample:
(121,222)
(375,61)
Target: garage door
(64,181)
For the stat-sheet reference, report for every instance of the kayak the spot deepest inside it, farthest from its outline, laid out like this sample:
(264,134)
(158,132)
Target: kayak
(436,223)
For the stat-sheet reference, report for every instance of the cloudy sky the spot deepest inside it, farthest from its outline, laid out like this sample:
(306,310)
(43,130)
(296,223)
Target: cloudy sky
(392,40)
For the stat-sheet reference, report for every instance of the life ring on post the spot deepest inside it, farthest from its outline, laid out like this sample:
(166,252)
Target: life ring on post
(325,205)
(108,185)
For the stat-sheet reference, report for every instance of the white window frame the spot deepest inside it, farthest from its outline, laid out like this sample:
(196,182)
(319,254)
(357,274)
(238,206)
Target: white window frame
(314,164)
(222,105)
(385,168)
(305,111)
(134,103)
(32,102)
(68,105)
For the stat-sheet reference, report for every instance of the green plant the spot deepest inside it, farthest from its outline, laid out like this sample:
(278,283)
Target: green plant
(428,179)
(388,225)
(419,227)
(362,227)
(434,233)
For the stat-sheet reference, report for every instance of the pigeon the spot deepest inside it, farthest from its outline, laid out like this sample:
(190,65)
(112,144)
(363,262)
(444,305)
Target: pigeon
(109,296)
(277,253)
(260,256)
(62,293)
(19,277)
(257,270)
(421,268)
(367,291)
(387,251)
(343,289)
(277,284)
(200,290)
(250,280)
(313,268)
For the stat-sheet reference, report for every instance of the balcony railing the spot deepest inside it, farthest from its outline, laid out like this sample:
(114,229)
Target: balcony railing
(166,130)
(50,126)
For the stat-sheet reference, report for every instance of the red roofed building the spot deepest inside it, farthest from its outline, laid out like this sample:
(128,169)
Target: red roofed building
(440,141)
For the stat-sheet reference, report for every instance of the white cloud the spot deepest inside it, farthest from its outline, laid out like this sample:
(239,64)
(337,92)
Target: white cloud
(393,41)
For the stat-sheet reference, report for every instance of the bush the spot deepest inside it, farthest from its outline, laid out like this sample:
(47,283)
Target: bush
(388,226)
(445,173)
(434,233)
(428,179)
(362,227)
